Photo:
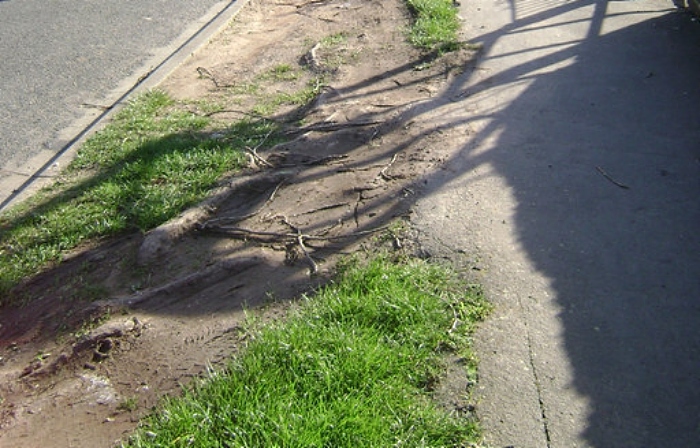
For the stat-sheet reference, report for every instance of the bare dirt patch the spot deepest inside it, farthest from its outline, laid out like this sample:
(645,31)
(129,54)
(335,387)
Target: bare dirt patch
(80,372)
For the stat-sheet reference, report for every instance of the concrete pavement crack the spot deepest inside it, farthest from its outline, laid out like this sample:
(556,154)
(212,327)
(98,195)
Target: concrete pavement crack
(538,385)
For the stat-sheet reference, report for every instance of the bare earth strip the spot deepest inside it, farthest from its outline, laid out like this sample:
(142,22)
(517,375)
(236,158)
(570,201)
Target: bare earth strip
(176,295)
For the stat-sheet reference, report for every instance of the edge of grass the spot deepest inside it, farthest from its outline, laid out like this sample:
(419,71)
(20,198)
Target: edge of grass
(435,24)
(152,161)
(354,365)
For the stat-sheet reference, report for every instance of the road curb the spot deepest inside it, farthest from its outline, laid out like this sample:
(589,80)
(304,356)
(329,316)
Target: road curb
(143,79)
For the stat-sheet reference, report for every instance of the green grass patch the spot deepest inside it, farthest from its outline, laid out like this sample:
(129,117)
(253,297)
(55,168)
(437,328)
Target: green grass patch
(435,24)
(353,367)
(271,104)
(203,106)
(281,72)
(152,161)
(246,88)
(335,39)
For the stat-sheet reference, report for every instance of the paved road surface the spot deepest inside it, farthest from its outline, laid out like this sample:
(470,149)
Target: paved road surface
(578,186)
(61,58)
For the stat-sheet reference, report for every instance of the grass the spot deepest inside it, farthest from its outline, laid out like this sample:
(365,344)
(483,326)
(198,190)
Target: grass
(271,104)
(334,40)
(435,24)
(149,164)
(281,72)
(129,404)
(354,366)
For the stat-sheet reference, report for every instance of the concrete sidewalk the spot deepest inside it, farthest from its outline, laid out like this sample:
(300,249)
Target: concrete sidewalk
(578,186)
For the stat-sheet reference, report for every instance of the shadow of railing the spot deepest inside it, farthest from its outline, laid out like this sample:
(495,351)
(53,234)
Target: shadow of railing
(618,250)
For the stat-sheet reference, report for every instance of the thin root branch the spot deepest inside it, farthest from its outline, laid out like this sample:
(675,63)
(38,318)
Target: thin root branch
(304,4)
(312,264)
(253,152)
(320,209)
(240,232)
(330,127)
(238,218)
(234,111)
(254,155)
(274,192)
(204,73)
(383,173)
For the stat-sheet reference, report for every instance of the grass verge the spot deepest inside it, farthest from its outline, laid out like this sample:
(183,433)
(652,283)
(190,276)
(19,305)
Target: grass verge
(149,164)
(435,24)
(354,366)
(154,160)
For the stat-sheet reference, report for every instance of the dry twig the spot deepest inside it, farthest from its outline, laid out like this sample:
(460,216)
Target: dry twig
(330,127)
(320,161)
(204,73)
(233,219)
(607,176)
(307,3)
(254,155)
(312,264)
(236,111)
(274,192)
(383,173)
(240,232)
(320,209)
(312,60)
(254,151)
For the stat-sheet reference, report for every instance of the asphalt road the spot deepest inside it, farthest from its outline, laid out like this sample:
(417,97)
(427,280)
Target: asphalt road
(577,190)
(63,61)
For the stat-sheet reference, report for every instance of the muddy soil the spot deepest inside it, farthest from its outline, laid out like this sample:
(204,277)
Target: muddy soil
(102,336)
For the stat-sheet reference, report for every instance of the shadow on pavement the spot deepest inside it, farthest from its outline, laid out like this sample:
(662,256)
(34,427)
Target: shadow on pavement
(601,149)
